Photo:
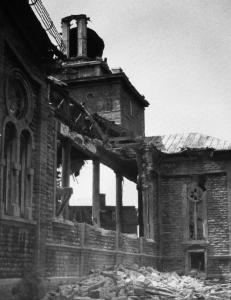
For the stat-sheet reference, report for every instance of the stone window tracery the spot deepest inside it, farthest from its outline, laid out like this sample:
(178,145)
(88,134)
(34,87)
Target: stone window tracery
(19,98)
(16,152)
(25,176)
(17,101)
(194,205)
(195,198)
(9,158)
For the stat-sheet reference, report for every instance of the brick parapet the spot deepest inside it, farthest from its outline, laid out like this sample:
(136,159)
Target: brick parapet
(98,248)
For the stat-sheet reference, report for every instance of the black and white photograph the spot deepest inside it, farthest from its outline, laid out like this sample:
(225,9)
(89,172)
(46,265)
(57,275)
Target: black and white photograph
(115,149)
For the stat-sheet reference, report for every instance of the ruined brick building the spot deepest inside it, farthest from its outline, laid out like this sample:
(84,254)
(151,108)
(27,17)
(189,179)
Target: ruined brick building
(60,108)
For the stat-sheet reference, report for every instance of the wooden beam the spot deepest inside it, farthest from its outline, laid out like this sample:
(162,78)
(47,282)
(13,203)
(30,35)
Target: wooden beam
(94,150)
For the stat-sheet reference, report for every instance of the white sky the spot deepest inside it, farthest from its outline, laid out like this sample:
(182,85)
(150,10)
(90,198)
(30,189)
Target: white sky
(176,52)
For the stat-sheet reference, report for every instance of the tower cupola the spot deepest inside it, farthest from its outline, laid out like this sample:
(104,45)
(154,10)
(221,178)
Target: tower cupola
(81,42)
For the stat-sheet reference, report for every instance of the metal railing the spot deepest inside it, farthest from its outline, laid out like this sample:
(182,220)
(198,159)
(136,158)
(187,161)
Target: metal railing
(41,12)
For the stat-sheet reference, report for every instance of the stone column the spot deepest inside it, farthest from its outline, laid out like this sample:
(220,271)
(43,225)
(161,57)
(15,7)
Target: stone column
(149,194)
(82,35)
(96,192)
(119,203)
(66,36)
(140,210)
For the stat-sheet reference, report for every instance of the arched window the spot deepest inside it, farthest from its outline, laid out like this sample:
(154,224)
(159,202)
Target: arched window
(16,171)
(10,143)
(194,210)
(25,180)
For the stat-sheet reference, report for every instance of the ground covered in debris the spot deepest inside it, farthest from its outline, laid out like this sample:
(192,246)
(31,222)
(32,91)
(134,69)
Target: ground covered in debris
(123,283)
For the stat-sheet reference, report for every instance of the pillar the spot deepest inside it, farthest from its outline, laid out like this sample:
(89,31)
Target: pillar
(82,35)
(66,170)
(119,203)
(96,192)
(66,36)
(140,211)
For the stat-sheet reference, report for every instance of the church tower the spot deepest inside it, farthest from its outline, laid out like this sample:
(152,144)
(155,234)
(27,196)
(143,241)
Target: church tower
(104,91)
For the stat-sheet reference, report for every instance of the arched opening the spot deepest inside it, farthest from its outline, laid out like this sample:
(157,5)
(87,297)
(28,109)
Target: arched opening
(24,178)
(9,159)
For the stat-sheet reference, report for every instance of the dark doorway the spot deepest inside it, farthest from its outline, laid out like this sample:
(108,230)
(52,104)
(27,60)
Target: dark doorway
(197,261)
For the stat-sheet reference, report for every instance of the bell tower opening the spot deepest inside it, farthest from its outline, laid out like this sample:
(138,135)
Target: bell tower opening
(81,42)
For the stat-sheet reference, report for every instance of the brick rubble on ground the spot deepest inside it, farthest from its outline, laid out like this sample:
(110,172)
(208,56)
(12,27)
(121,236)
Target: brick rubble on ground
(134,283)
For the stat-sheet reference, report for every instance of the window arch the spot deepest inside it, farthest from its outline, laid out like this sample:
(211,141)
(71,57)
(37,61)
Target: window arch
(195,210)
(16,172)
(19,99)
(9,158)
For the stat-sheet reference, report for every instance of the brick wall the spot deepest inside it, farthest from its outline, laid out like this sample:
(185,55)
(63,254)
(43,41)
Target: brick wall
(132,113)
(112,101)
(176,174)
(103,98)
(62,261)
(171,236)
(76,249)
(17,248)
(218,226)
(168,177)
(28,236)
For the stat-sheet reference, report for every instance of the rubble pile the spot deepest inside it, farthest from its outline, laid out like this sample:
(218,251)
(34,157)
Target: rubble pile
(120,283)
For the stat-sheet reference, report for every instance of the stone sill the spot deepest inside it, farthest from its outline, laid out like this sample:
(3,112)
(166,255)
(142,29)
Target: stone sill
(150,240)
(200,243)
(17,219)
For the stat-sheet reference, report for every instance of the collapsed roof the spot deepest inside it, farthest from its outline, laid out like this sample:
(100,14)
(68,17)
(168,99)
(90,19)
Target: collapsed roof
(175,143)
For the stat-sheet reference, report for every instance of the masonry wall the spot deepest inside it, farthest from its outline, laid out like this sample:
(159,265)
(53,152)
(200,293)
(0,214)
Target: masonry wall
(132,113)
(17,248)
(75,249)
(218,225)
(22,240)
(103,98)
(112,101)
(171,232)
(174,176)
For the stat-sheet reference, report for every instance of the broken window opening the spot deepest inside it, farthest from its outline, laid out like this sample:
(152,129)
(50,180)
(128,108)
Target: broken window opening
(63,192)
(81,202)
(69,164)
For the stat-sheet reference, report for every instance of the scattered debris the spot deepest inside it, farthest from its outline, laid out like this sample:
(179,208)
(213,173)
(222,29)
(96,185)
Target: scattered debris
(134,283)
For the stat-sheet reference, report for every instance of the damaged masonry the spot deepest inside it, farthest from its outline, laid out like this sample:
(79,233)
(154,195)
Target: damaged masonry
(60,107)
